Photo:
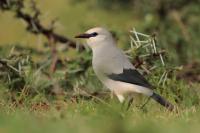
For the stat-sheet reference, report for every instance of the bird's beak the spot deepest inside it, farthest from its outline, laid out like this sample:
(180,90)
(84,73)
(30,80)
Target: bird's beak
(84,35)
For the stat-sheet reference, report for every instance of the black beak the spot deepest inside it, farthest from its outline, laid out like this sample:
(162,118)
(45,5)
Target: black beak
(84,35)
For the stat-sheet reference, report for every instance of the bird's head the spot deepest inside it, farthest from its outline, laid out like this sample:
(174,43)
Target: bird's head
(96,36)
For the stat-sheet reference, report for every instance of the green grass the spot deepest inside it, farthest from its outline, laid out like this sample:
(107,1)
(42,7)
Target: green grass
(90,116)
(39,111)
(28,105)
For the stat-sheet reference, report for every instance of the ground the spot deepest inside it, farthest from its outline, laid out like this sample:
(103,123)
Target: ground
(30,96)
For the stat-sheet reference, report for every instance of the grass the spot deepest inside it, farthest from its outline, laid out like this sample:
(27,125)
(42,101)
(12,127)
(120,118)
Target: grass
(89,116)
(28,105)
(33,109)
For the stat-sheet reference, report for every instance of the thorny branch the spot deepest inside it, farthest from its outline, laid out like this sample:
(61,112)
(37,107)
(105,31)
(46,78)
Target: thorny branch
(33,22)
(34,26)
(147,44)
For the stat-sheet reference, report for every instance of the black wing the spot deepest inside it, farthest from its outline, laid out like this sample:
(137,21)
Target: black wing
(131,76)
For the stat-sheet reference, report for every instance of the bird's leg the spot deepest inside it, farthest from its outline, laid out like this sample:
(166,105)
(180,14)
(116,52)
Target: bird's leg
(129,103)
(111,94)
(121,98)
(124,102)
(145,103)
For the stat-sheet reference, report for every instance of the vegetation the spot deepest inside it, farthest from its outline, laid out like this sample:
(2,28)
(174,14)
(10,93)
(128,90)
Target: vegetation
(47,83)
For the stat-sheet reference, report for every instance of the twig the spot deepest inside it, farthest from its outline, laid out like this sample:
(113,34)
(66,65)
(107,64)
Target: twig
(136,35)
(4,63)
(34,25)
(161,78)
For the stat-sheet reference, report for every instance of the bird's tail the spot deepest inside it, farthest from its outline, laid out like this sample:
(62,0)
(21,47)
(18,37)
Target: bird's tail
(162,101)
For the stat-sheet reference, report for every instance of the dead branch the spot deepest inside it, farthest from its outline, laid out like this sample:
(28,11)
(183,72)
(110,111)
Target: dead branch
(33,22)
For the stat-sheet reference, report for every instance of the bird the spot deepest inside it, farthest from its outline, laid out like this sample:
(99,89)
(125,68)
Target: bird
(114,69)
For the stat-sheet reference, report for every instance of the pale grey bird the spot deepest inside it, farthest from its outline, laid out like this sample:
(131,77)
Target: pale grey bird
(113,68)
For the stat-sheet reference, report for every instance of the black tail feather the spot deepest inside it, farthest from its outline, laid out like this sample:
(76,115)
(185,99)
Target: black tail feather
(162,101)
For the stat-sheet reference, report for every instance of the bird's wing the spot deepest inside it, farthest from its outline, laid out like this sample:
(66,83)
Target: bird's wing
(128,73)
(131,76)
(116,66)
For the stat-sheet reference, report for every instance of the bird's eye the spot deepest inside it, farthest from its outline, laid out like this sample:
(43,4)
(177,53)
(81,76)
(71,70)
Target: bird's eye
(94,34)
